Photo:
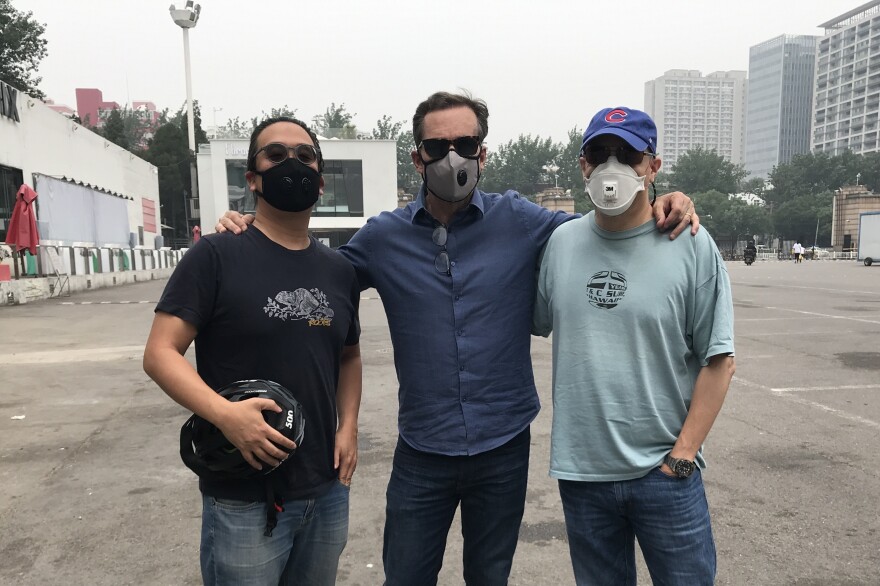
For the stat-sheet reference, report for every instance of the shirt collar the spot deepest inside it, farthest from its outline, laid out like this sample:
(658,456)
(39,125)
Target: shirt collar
(419,210)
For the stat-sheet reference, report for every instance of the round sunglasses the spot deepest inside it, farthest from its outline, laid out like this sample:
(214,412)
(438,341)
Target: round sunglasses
(278,152)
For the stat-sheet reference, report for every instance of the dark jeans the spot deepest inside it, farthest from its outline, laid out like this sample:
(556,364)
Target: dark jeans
(304,548)
(669,516)
(423,493)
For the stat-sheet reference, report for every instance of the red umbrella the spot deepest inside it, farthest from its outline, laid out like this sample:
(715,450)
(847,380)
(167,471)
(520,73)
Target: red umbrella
(22,233)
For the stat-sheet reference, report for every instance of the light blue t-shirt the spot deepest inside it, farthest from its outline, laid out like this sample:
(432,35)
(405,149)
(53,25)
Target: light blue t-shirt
(634,316)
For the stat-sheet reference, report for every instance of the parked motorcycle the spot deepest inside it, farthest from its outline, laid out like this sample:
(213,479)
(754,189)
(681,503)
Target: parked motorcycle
(749,255)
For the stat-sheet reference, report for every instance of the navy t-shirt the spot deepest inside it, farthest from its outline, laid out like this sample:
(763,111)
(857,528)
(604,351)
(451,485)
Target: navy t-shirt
(263,311)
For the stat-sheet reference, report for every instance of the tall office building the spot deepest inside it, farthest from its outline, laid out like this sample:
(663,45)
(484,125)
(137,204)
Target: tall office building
(691,110)
(847,106)
(780,101)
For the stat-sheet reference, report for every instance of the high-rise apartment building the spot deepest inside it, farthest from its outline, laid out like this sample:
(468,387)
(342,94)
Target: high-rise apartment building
(847,104)
(780,101)
(691,110)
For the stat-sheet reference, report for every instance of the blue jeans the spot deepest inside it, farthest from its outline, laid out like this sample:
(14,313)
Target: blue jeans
(669,516)
(423,494)
(304,548)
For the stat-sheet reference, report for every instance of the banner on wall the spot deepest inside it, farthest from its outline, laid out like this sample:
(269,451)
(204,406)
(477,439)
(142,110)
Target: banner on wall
(76,213)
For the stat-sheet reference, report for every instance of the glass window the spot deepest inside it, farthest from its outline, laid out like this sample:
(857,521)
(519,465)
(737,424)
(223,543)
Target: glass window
(241,199)
(10,180)
(343,189)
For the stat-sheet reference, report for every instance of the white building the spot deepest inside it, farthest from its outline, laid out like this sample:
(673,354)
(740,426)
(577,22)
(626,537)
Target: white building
(360,181)
(691,110)
(90,191)
(847,106)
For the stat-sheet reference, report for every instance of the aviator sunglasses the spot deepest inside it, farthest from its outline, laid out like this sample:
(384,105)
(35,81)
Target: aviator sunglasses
(465,146)
(278,153)
(441,261)
(596,154)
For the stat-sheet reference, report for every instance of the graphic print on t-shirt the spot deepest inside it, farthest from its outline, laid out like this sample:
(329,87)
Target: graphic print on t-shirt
(301,304)
(606,289)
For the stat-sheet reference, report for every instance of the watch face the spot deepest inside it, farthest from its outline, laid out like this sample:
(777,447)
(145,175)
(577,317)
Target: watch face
(684,468)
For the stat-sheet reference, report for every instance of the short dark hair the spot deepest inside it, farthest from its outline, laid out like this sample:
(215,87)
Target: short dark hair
(444,101)
(252,150)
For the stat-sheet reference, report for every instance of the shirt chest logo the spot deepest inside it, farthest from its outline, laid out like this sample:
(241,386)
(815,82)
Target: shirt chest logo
(606,289)
(305,304)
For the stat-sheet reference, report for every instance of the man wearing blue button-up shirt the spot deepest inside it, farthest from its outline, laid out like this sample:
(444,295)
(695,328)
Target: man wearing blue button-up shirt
(456,273)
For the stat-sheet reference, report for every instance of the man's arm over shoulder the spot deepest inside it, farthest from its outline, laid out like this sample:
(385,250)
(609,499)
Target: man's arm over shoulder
(358,252)
(542,316)
(539,221)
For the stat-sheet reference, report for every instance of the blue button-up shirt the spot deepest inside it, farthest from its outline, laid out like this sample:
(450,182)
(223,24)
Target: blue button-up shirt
(461,341)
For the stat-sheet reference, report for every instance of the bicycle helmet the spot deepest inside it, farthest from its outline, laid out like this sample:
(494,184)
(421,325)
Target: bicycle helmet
(207,452)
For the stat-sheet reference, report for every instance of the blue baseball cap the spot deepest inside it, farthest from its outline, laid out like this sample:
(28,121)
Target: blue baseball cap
(633,126)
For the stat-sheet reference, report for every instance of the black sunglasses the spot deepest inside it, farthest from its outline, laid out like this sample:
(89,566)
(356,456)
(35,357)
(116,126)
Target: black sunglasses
(441,261)
(278,152)
(596,154)
(437,148)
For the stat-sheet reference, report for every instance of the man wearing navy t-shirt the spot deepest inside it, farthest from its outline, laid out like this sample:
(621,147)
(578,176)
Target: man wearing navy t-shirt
(273,304)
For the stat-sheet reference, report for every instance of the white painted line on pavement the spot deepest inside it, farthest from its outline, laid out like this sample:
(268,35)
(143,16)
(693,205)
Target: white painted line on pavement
(846,317)
(834,388)
(812,288)
(78,355)
(795,398)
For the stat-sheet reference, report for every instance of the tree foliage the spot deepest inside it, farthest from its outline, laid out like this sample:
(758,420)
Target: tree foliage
(235,128)
(386,129)
(126,128)
(169,152)
(815,173)
(408,178)
(336,122)
(22,48)
(701,170)
(518,165)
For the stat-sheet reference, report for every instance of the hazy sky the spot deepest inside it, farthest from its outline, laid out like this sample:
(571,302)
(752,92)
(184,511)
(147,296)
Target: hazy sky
(543,67)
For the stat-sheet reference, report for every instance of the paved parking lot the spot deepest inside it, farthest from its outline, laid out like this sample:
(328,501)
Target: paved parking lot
(92,490)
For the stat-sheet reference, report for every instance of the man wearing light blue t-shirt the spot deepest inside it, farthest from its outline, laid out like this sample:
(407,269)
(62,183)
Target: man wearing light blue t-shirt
(642,360)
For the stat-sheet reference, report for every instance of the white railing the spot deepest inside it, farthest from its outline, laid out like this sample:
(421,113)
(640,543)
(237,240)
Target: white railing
(92,260)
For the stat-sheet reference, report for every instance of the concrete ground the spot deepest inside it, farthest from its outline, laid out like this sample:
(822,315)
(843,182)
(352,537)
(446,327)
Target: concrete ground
(92,490)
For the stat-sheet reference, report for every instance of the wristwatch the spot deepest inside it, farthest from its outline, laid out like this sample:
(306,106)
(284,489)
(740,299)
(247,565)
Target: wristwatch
(682,468)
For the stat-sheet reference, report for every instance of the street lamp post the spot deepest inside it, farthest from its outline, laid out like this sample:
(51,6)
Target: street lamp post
(186,18)
(552,168)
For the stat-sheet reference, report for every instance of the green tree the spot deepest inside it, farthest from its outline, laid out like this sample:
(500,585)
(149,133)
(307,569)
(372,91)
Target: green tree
(127,128)
(181,118)
(754,185)
(408,178)
(518,164)
(22,47)
(235,128)
(283,112)
(730,219)
(702,170)
(797,218)
(336,122)
(387,129)
(169,152)
(114,129)
(571,178)
(815,173)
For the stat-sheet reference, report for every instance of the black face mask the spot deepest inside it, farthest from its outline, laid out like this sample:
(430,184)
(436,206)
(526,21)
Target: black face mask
(290,186)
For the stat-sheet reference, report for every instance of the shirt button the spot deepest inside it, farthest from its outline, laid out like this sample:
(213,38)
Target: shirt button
(460,333)
(458,297)
(452,264)
(461,368)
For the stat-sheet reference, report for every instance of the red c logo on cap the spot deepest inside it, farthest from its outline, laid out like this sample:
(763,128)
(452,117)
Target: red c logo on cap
(615,116)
